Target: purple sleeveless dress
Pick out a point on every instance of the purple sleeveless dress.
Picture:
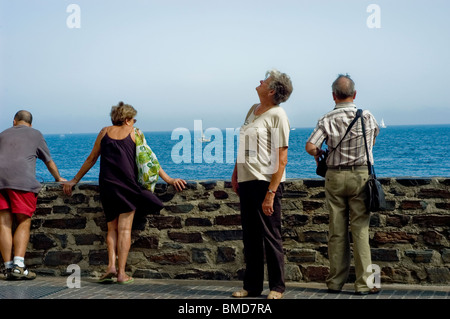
(119, 189)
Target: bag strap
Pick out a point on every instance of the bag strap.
(369, 164)
(348, 130)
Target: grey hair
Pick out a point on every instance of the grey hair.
(281, 83)
(343, 87)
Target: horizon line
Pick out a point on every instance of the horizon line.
(292, 128)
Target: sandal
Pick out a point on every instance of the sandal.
(240, 293)
(125, 282)
(107, 278)
(274, 295)
(19, 273)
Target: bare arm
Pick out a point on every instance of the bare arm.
(87, 165)
(313, 150)
(178, 183)
(267, 205)
(53, 169)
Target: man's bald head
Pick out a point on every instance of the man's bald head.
(23, 116)
(343, 87)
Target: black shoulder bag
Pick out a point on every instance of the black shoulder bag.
(322, 167)
(376, 200)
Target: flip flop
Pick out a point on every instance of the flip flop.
(126, 282)
(107, 278)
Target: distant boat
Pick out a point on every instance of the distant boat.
(204, 139)
(382, 123)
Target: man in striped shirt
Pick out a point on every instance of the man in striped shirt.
(345, 183)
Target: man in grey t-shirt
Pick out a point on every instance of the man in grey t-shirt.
(20, 146)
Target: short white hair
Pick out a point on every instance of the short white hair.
(281, 83)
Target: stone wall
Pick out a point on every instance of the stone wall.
(198, 233)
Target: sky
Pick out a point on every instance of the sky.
(177, 61)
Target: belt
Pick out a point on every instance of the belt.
(348, 168)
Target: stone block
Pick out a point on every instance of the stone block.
(201, 222)
(61, 209)
(42, 242)
(300, 255)
(295, 219)
(413, 204)
(411, 182)
(209, 185)
(438, 275)
(294, 194)
(385, 254)
(292, 273)
(98, 257)
(209, 207)
(314, 183)
(200, 255)
(420, 256)
(397, 220)
(88, 239)
(431, 220)
(225, 254)
(394, 237)
(62, 258)
(228, 220)
(224, 235)
(315, 236)
(76, 199)
(446, 255)
(316, 273)
(220, 194)
(433, 193)
(321, 219)
(445, 205)
(180, 208)
(164, 222)
(235, 206)
(66, 223)
(147, 242)
(186, 237)
(433, 238)
(171, 258)
(311, 205)
(43, 211)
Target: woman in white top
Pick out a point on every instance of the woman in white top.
(258, 178)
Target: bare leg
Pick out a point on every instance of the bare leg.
(22, 235)
(111, 242)
(6, 238)
(125, 223)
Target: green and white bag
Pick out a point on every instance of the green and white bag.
(147, 163)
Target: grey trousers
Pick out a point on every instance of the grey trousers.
(345, 198)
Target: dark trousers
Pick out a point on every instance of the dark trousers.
(261, 234)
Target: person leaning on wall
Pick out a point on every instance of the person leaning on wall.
(120, 193)
(20, 147)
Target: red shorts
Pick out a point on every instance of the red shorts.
(18, 202)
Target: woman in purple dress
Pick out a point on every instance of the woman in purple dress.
(120, 193)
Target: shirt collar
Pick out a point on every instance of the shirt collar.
(345, 104)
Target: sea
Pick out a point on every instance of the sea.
(400, 151)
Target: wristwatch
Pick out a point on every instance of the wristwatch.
(271, 191)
